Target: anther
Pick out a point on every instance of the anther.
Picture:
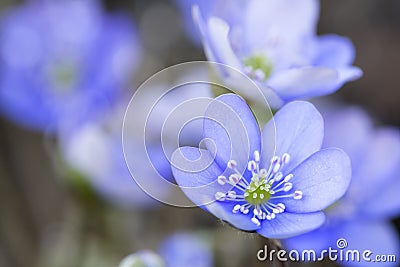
(220, 196)
(232, 164)
(257, 156)
(221, 180)
(287, 187)
(285, 158)
(298, 195)
(255, 221)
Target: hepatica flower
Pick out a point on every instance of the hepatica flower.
(362, 215)
(275, 182)
(275, 43)
(186, 249)
(62, 60)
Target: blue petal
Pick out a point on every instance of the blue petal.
(230, 125)
(214, 33)
(304, 82)
(323, 178)
(348, 129)
(186, 249)
(291, 224)
(196, 173)
(316, 240)
(265, 16)
(333, 51)
(379, 237)
(296, 129)
(380, 160)
(377, 174)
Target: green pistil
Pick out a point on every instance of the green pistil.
(258, 192)
(64, 76)
(259, 62)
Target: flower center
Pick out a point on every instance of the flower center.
(63, 75)
(258, 67)
(257, 192)
(262, 193)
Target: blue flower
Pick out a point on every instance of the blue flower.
(63, 60)
(275, 183)
(274, 42)
(186, 249)
(362, 215)
(109, 172)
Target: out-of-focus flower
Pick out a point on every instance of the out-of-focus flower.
(361, 216)
(95, 149)
(143, 258)
(275, 188)
(62, 60)
(186, 249)
(274, 42)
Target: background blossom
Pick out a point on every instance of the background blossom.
(282, 54)
(362, 215)
(63, 60)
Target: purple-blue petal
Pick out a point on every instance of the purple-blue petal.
(296, 129)
(304, 82)
(333, 51)
(265, 16)
(317, 240)
(287, 224)
(348, 129)
(323, 178)
(232, 131)
(380, 238)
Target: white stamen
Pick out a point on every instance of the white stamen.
(259, 74)
(248, 70)
(257, 156)
(287, 187)
(232, 164)
(234, 179)
(276, 167)
(298, 195)
(221, 180)
(285, 158)
(278, 177)
(255, 212)
(255, 221)
(281, 207)
(288, 177)
(236, 208)
(252, 166)
(232, 194)
(220, 196)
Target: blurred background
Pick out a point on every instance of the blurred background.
(52, 216)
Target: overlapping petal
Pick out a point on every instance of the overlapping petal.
(290, 224)
(296, 129)
(232, 131)
(323, 178)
